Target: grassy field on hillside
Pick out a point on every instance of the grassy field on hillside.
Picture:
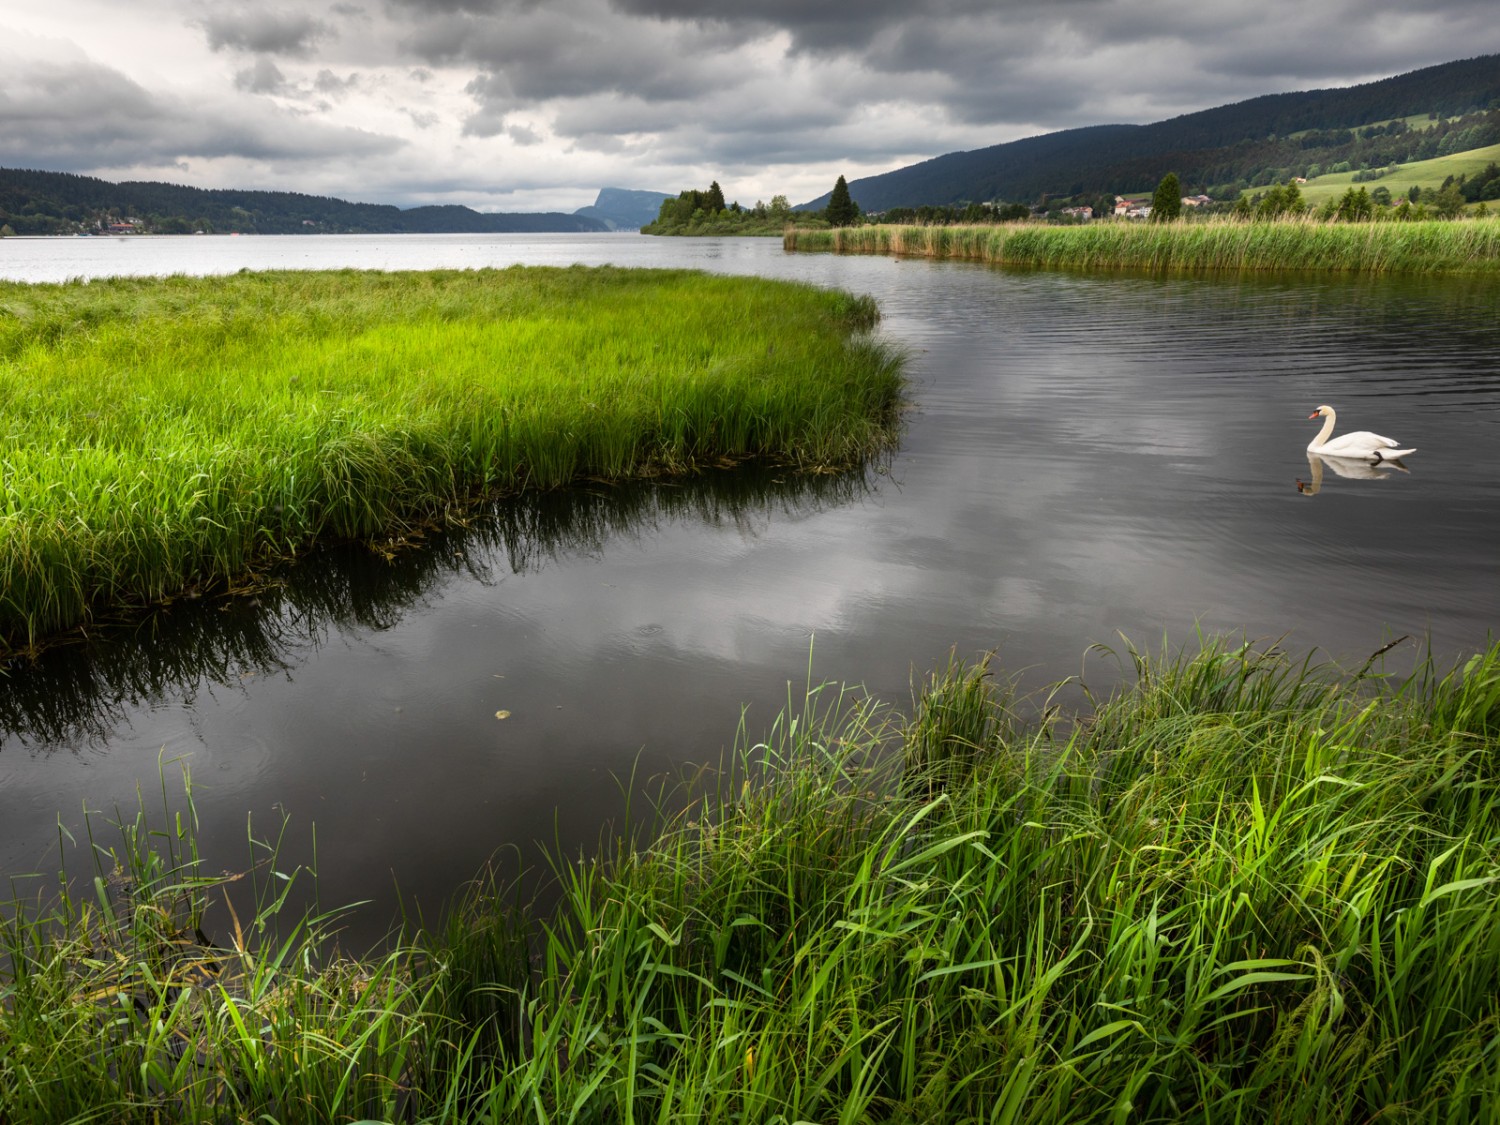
(1243, 889)
(163, 435)
(1420, 173)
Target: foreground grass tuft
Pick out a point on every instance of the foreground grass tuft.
(163, 435)
(1241, 889)
(1224, 244)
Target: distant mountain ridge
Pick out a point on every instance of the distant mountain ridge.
(36, 202)
(1212, 146)
(625, 209)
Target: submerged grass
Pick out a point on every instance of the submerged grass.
(1239, 890)
(162, 434)
(1470, 246)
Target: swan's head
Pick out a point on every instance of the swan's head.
(1320, 412)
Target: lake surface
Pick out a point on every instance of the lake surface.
(1088, 456)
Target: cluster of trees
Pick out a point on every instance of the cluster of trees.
(968, 214)
(1484, 185)
(1355, 205)
(705, 212)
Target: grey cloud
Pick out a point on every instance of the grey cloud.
(82, 115)
(264, 77)
(524, 135)
(327, 82)
(439, 41)
(265, 32)
(495, 98)
(605, 143)
(576, 49)
(823, 27)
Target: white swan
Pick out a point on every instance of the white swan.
(1360, 443)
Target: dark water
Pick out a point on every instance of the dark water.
(1088, 456)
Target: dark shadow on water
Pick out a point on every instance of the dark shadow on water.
(78, 693)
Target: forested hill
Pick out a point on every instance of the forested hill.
(1264, 139)
(62, 203)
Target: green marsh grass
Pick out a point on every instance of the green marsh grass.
(1239, 889)
(164, 435)
(1430, 247)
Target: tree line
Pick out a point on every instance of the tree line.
(38, 202)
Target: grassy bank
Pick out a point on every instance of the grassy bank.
(1239, 890)
(1291, 244)
(165, 435)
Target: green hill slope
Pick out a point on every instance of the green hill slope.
(1415, 116)
(1421, 173)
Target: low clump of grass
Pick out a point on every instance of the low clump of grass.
(115, 1005)
(1239, 889)
(158, 435)
(1471, 246)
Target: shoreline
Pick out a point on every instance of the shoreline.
(1467, 246)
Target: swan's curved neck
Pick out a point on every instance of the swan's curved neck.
(1327, 428)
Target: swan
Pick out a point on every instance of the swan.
(1360, 443)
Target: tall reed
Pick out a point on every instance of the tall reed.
(1471, 246)
(162, 434)
(1239, 889)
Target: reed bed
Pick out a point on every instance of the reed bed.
(1429, 247)
(164, 435)
(1240, 889)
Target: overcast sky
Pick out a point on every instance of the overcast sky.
(531, 105)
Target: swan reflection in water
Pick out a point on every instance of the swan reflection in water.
(1348, 468)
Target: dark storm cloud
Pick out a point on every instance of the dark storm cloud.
(80, 115)
(967, 64)
(264, 32)
(818, 25)
(554, 53)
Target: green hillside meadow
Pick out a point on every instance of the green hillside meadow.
(1420, 173)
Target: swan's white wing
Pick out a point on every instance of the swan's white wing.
(1360, 443)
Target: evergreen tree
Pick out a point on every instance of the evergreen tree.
(1166, 204)
(841, 209)
(713, 199)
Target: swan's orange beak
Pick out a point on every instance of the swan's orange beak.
(1313, 415)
